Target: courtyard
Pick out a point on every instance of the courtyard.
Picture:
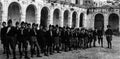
(90, 53)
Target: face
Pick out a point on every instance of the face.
(41, 27)
(17, 25)
(10, 24)
(33, 26)
(108, 27)
(29, 26)
(22, 25)
(4, 24)
(36, 26)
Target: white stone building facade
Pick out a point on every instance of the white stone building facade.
(45, 13)
(41, 12)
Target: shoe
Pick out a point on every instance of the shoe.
(14, 58)
(51, 53)
(7, 58)
(27, 57)
(20, 57)
(4, 52)
(32, 56)
(46, 54)
(39, 56)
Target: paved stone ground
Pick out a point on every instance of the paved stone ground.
(91, 53)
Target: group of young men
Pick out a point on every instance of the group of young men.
(48, 40)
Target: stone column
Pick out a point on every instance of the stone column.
(85, 20)
(70, 19)
(50, 17)
(77, 21)
(4, 11)
(4, 14)
(106, 20)
(119, 23)
(92, 20)
(61, 18)
(23, 14)
(38, 17)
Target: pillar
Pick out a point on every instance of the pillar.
(61, 18)
(50, 17)
(38, 17)
(119, 23)
(106, 19)
(85, 19)
(23, 14)
(4, 14)
(77, 21)
(70, 19)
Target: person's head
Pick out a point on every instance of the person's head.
(3, 24)
(41, 27)
(29, 25)
(108, 26)
(100, 28)
(36, 26)
(17, 24)
(22, 24)
(33, 25)
(50, 27)
(9, 22)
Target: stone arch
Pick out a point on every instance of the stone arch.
(99, 21)
(56, 17)
(114, 21)
(66, 17)
(44, 16)
(14, 12)
(81, 20)
(31, 13)
(74, 19)
(1, 11)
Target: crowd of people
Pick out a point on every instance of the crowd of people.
(45, 41)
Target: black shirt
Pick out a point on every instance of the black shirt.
(11, 32)
(109, 32)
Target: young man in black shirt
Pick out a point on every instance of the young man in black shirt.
(100, 36)
(3, 36)
(109, 34)
(10, 33)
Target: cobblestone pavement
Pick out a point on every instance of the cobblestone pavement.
(91, 53)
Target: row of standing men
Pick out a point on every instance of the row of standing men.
(47, 41)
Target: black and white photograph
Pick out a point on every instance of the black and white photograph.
(59, 29)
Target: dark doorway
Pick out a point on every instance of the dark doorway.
(14, 12)
(99, 21)
(114, 22)
(44, 17)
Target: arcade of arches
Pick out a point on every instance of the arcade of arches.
(113, 21)
(57, 16)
